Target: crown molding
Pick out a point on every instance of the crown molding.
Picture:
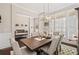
(26, 9)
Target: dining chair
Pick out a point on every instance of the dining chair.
(59, 43)
(20, 51)
(54, 46)
(35, 34)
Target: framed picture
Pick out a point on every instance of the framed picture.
(0, 19)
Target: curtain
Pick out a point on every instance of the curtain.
(71, 26)
(67, 25)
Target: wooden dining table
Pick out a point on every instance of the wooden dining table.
(34, 44)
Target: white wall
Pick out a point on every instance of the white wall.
(22, 16)
(5, 25)
(5, 40)
(22, 19)
(31, 26)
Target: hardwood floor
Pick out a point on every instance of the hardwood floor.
(5, 51)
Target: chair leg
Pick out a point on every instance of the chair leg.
(41, 52)
(55, 53)
(58, 50)
(38, 51)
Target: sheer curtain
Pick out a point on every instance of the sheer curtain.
(67, 25)
(71, 26)
(60, 25)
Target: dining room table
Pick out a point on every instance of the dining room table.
(33, 43)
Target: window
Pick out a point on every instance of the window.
(67, 25)
(71, 26)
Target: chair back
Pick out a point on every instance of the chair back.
(16, 48)
(54, 44)
(35, 34)
(59, 43)
(56, 33)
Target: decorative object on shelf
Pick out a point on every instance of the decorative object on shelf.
(0, 18)
(16, 24)
(21, 24)
(46, 23)
(25, 25)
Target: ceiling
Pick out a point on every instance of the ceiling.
(46, 7)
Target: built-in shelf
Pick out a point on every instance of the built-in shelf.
(21, 33)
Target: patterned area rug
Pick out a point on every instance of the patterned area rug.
(68, 50)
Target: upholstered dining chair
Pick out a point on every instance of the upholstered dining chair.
(54, 46)
(35, 34)
(59, 43)
(20, 51)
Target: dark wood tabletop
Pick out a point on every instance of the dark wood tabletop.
(34, 44)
